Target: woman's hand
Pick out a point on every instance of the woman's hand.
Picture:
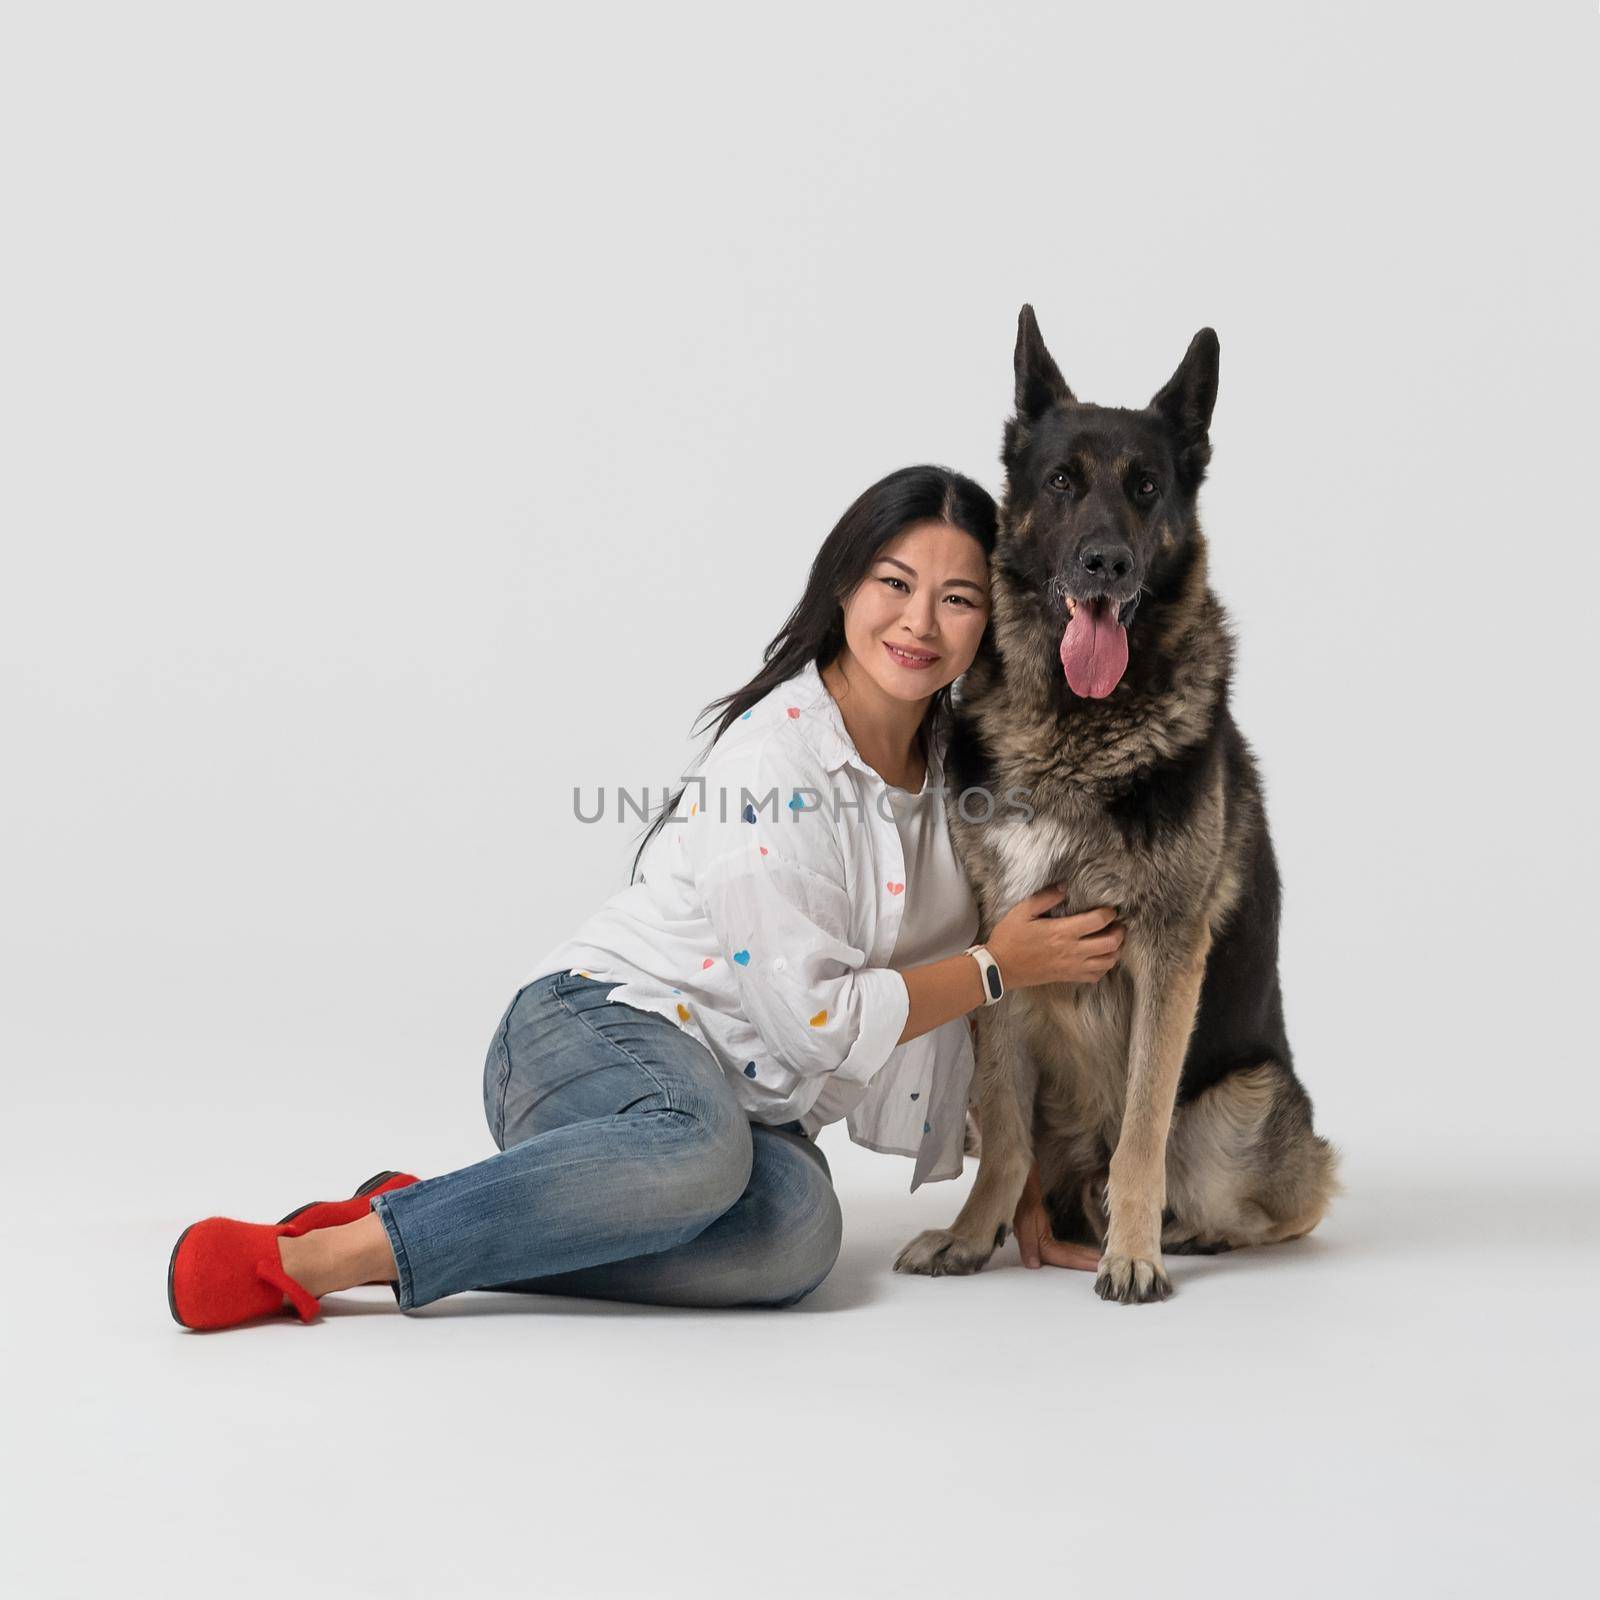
(1032, 1228)
(1032, 948)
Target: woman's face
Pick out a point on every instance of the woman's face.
(915, 621)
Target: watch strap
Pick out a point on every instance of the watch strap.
(994, 986)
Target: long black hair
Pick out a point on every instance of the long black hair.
(814, 631)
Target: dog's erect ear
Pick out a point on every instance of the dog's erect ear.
(1190, 393)
(1186, 401)
(1039, 380)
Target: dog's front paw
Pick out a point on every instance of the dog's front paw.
(938, 1253)
(1132, 1280)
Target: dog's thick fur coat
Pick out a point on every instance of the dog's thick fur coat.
(1160, 1102)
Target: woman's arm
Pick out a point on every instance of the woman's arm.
(1028, 947)
(940, 992)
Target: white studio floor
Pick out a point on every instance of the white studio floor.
(1402, 1404)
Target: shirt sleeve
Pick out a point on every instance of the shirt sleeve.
(770, 868)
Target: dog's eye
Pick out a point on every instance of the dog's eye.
(1147, 488)
(1061, 480)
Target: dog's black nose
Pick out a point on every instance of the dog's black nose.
(1106, 559)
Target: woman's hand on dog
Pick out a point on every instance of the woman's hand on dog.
(1032, 948)
(1032, 1228)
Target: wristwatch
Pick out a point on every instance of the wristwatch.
(994, 987)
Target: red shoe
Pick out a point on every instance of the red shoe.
(334, 1213)
(223, 1272)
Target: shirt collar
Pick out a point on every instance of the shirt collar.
(823, 725)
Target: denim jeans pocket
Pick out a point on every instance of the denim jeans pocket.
(575, 992)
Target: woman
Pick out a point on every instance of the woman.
(795, 952)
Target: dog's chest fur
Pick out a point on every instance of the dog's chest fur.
(1160, 877)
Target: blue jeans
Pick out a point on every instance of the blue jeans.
(627, 1170)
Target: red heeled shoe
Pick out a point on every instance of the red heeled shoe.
(335, 1213)
(224, 1272)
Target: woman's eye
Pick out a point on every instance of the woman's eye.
(900, 581)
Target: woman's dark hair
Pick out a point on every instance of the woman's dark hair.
(814, 631)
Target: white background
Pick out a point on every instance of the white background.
(411, 413)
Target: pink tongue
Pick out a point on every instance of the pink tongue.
(1094, 649)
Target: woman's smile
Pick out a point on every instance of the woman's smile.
(910, 657)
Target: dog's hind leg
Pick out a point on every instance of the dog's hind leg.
(1007, 1082)
(1244, 1166)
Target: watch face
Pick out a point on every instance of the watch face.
(991, 978)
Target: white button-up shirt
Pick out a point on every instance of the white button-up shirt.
(765, 920)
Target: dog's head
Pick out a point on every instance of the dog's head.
(1100, 501)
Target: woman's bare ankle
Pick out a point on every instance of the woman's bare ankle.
(327, 1259)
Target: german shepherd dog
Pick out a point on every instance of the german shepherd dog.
(1160, 1102)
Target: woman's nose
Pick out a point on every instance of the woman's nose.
(920, 614)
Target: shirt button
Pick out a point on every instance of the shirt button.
(779, 964)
